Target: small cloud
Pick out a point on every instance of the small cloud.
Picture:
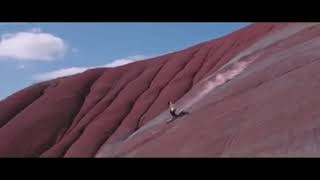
(21, 66)
(36, 30)
(15, 23)
(119, 62)
(74, 50)
(76, 70)
(123, 61)
(34, 45)
(59, 73)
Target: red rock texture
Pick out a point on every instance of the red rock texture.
(250, 93)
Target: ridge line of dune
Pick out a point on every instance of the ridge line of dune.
(168, 83)
(15, 113)
(76, 131)
(125, 119)
(97, 118)
(87, 92)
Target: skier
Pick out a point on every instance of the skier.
(172, 110)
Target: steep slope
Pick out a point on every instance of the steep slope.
(250, 93)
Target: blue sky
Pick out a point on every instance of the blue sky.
(32, 52)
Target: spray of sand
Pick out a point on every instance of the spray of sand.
(218, 80)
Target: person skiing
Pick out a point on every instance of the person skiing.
(172, 111)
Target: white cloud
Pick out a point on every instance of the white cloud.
(59, 73)
(36, 30)
(76, 70)
(31, 46)
(15, 23)
(21, 66)
(123, 61)
(74, 50)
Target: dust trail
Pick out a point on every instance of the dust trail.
(219, 80)
(239, 65)
(274, 37)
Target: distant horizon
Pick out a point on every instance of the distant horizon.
(35, 52)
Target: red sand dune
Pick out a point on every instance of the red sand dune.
(253, 92)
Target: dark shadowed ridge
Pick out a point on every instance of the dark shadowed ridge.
(250, 93)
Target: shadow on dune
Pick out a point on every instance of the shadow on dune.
(181, 114)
